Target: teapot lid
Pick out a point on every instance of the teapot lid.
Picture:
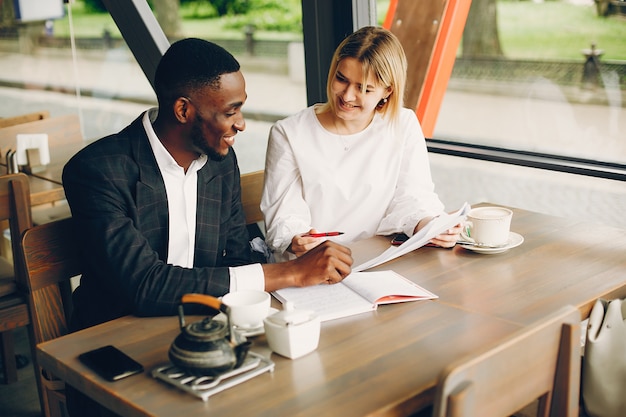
(290, 316)
(207, 330)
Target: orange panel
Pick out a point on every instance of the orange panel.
(441, 60)
(391, 11)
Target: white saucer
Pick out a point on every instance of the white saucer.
(515, 240)
(248, 331)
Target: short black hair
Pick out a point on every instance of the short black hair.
(190, 64)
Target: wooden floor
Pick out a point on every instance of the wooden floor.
(20, 399)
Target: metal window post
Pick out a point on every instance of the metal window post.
(325, 23)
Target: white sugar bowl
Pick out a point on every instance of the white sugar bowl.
(292, 333)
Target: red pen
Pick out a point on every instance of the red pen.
(324, 234)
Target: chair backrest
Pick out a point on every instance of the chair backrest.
(14, 209)
(50, 259)
(251, 191)
(24, 118)
(541, 361)
(14, 212)
(61, 130)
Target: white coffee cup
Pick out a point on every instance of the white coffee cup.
(489, 226)
(248, 308)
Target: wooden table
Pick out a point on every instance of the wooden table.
(46, 184)
(562, 261)
(42, 190)
(385, 362)
(59, 155)
(366, 364)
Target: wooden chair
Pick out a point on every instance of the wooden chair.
(251, 191)
(14, 210)
(62, 131)
(541, 361)
(50, 258)
(24, 118)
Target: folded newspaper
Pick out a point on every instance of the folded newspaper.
(435, 227)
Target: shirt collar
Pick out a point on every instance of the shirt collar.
(163, 158)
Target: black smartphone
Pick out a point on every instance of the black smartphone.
(111, 363)
(399, 239)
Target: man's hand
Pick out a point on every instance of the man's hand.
(329, 263)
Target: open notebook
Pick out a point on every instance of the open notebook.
(358, 293)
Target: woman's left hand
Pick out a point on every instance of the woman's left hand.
(301, 244)
(449, 238)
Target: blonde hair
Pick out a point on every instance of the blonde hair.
(380, 53)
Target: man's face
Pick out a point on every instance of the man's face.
(218, 116)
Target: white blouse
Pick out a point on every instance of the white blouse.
(375, 182)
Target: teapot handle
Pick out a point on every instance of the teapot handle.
(203, 299)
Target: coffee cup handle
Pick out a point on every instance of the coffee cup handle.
(466, 233)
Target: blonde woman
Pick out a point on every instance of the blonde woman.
(357, 164)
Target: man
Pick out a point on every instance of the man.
(157, 206)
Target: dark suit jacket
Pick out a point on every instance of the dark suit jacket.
(119, 206)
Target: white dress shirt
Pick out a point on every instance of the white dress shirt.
(182, 192)
(375, 182)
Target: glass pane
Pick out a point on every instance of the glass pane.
(98, 79)
(540, 76)
(543, 76)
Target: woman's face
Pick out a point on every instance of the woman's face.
(351, 103)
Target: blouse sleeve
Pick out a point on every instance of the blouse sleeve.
(415, 197)
(285, 211)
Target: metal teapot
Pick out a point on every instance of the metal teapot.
(208, 347)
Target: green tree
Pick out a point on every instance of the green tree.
(95, 6)
(168, 16)
(225, 7)
(7, 14)
(480, 37)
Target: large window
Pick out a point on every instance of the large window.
(94, 75)
(546, 77)
(525, 79)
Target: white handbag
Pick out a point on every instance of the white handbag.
(604, 360)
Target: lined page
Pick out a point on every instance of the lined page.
(328, 301)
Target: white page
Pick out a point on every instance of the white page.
(357, 293)
(376, 285)
(328, 301)
(437, 226)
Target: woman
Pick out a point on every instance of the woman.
(358, 163)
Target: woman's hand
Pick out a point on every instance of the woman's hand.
(301, 244)
(449, 238)
(445, 240)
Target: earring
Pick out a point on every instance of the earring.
(382, 102)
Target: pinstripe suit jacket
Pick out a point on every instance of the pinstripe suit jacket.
(119, 206)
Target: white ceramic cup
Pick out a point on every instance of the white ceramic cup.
(248, 308)
(488, 226)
